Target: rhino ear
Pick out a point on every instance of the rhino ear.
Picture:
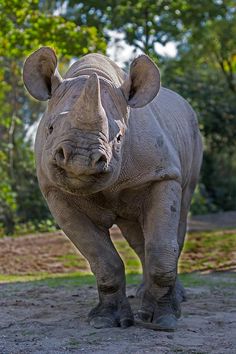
(143, 82)
(40, 73)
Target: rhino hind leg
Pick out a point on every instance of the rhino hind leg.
(161, 314)
(133, 233)
(180, 292)
(140, 291)
(167, 310)
(160, 305)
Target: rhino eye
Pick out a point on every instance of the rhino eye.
(50, 129)
(118, 138)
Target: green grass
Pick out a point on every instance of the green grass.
(79, 279)
(72, 260)
(129, 257)
(211, 280)
(70, 279)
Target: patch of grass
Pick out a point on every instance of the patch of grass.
(129, 257)
(73, 260)
(79, 279)
(76, 279)
(62, 279)
(208, 251)
(10, 278)
(52, 280)
(209, 280)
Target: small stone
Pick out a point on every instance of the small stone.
(169, 336)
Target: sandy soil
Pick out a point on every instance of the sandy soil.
(42, 320)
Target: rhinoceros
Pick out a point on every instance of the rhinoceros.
(117, 148)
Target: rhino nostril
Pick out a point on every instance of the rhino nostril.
(63, 154)
(99, 159)
(102, 159)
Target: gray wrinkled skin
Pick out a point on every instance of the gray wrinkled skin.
(117, 149)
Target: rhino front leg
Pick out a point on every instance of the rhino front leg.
(160, 225)
(95, 244)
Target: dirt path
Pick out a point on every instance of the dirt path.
(214, 221)
(39, 319)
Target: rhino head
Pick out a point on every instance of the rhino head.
(80, 139)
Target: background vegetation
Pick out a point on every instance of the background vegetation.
(203, 71)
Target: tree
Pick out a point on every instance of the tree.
(209, 30)
(204, 72)
(143, 23)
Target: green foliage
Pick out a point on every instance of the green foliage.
(7, 196)
(24, 27)
(31, 227)
(201, 204)
(143, 23)
(204, 72)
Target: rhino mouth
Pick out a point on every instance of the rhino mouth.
(81, 183)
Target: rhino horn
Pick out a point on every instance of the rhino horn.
(89, 107)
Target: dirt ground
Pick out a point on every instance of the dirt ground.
(42, 320)
(37, 253)
(39, 318)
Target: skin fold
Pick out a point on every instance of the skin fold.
(120, 149)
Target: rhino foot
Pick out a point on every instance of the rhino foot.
(140, 291)
(160, 315)
(167, 322)
(180, 292)
(115, 315)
